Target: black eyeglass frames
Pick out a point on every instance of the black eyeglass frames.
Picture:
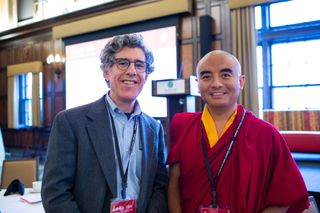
(124, 63)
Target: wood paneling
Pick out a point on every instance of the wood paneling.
(216, 45)
(4, 111)
(59, 103)
(187, 60)
(37, 52)
(47, 48)
(199, 12)
(215, 14)
(48, 80)
(59, 80)
(27, 54)
(48, 107)
(3, 84)
(186, 27)
(11, 57)
(3, 58)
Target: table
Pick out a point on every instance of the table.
(12, 203)
(311, 174)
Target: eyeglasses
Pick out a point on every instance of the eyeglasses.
(124, 63)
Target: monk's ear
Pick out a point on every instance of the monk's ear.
(242, 79)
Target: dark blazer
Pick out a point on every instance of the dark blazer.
(80, 171)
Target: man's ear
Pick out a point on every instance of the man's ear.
(242, 79)
(106, 73)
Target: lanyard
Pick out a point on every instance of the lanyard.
(123, 174)
(206, 158)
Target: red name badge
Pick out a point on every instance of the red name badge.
(123, 206)
(213, 210)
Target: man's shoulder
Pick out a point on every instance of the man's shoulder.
(83, 109)
(261, 129)
(261, 124)
(149, 118)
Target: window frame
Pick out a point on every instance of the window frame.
(13, 71)
(25, 101)
(268, 36)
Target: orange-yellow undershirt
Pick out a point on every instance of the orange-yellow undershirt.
(210, 126)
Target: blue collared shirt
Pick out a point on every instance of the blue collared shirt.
(124, 129)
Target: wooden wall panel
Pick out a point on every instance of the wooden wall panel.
(198, 53)
(187, 58)
(37, 52)
(216, 45)
(8, 137)
(3, 58)
(18, 55)
(215, 14)
(59, 81)
(48, 108)
(47, 48)
(3, 84)
(48, 80)
(27, 54)
(52, 106)
(4, 111)
(25, 138)
(186, 28)
(11, 58)
(59, 104)
(199, 12)
(44, 139)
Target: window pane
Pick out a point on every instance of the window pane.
(29, 85)
(259, 66)
(28, 113)
(260, 99)
(295, 63)
(41, 95)
(300, 10)
(296, 98)
(258, 22)
(25, 97)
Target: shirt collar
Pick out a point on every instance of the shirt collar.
(115, 109)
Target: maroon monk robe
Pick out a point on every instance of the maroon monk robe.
(259, 172)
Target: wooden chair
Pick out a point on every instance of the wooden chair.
(26, 170)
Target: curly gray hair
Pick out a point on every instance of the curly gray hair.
(117, 43)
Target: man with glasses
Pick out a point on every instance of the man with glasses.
(108, 156)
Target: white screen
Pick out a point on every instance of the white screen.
(85, 82)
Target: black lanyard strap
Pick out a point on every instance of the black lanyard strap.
(211, 179)
(231, 144)
(123, 174)
(206, 158)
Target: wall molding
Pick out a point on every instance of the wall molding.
(130, 15)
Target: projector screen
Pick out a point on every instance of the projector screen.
(85, 82)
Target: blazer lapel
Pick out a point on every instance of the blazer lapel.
(147, 146)
(100, 135)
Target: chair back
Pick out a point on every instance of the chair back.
(26, 170)
(313, 208)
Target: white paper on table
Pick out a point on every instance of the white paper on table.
(31, 198)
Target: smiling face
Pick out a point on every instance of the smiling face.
(220, 81)
(125, 86)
